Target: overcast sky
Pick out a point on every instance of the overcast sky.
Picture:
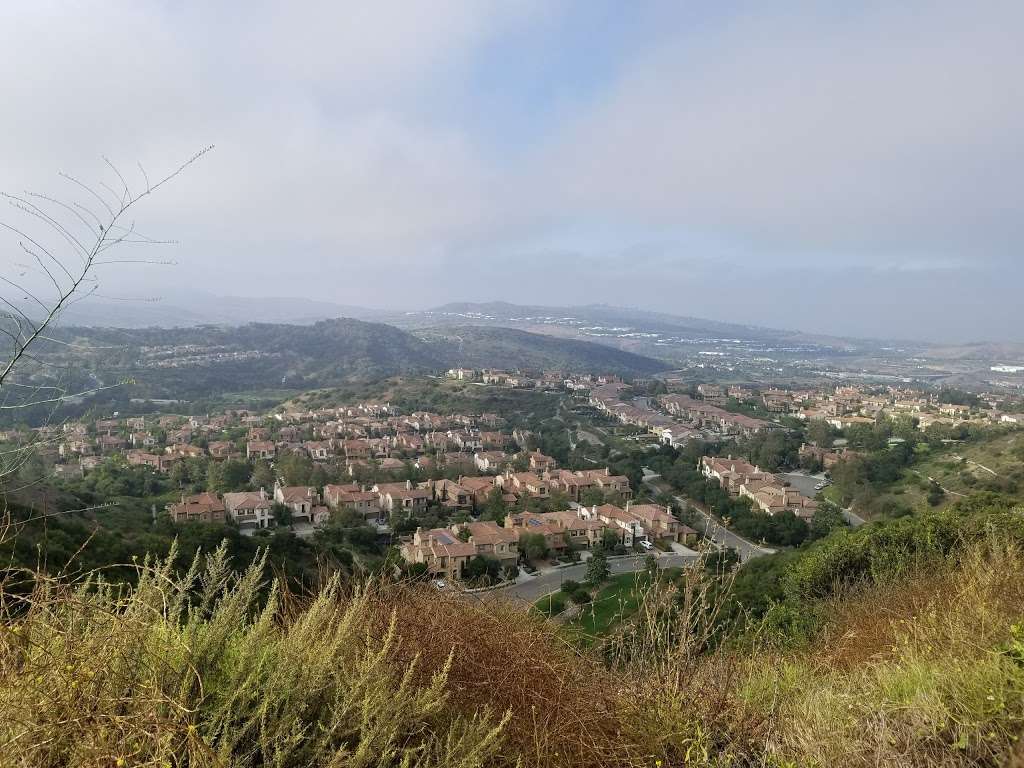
(852, 168)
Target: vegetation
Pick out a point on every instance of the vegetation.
(898, 643)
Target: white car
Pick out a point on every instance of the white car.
(440, 584)
(646, 544)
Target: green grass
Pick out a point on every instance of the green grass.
(615, 601)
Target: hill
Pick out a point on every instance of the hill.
(894, 645)
(497, 347)
(202, 361)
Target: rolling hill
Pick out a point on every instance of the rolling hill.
(203, 361)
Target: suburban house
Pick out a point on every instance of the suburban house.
(520, 483)
(200, 508)
(250, 509)
(161, 463)
(260, 449)
(402, 497)
(490, 461)
(452, 495)
(491, 540)
(658, 522)
(581, 532)
(352, 496)
(541, 463)
(731, 473)
(440, 550)
(627, 527)
(302, 500)
(555, 537)
(771, 497)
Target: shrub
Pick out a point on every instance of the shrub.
(580, 596)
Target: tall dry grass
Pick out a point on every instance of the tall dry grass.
(925, 672)
(198, 670)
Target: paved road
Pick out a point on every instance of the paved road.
(544, 583)
(711, 528)
(722, 536)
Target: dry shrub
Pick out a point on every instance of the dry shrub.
(564, 705)
(928, 673)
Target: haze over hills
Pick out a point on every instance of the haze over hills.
(200, 361)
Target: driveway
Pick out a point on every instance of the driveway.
(803, 482)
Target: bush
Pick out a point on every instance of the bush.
(580, 596)
(569, 586)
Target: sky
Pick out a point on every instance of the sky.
(846, 168)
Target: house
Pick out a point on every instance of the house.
(712, 393)
(355, 498)
(555, 536)
(777, 400)
(479, 487)
(658, 522)
(491, 439)
(492, 540)
(200, 508)
(521, 483)
(402, 497)
(152, 460)
(541, 463)
(491, 461)
(185, 451)
(300, 499)
(628, 528)
(356, 450)
(842, 422)
(440, 550)
(772, 497)
(452, 495)
(731, 473)
(318, 450)
(581, 532)
(576, 483)
(222, 449)
(250, 509)
(260, 449)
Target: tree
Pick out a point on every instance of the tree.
(63, 242)
(533, 546)
(494, 508)
(820, 433)
(282, 513)
(609, 540)
(597, 568)
(262, 477)
(482, 569)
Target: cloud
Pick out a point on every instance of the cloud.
(892, 130)
(364, 153)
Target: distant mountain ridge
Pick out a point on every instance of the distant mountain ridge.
(203, 360)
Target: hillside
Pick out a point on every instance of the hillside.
(497, 347)
(897, 645)
(201, 361)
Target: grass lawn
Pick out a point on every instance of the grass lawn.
(615, 601)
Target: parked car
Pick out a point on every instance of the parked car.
(440, 584)
(646, 544)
